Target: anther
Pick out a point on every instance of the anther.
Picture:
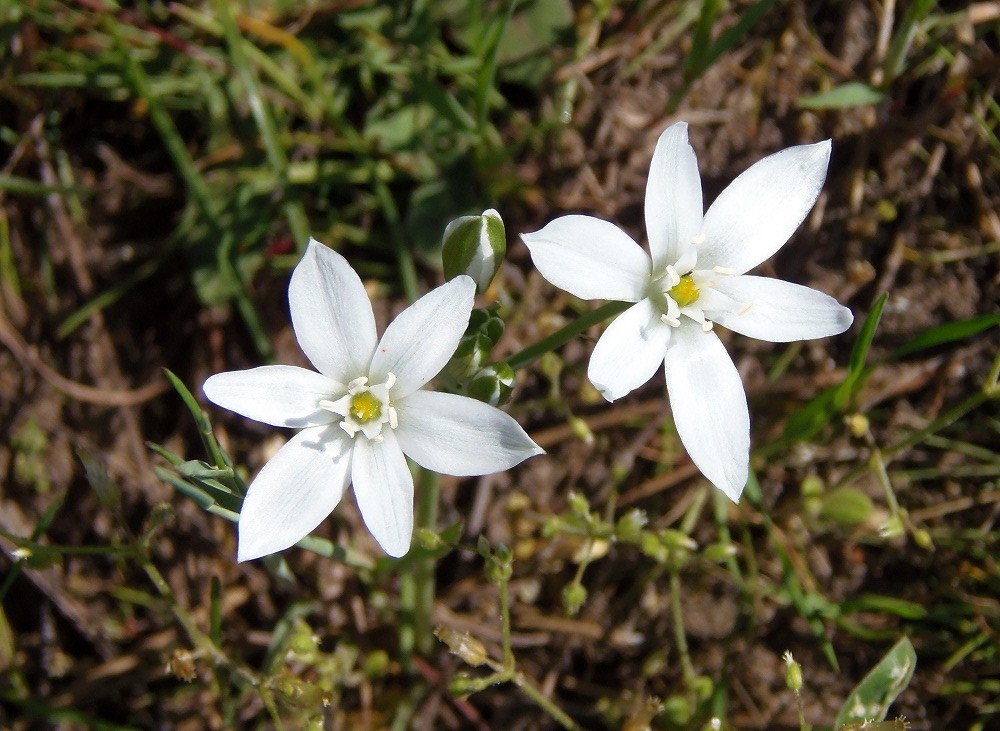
(724, 270)
(672, 321)
(699, 239)
(672, 276)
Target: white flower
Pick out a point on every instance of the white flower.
(696, 278)
(363, 411)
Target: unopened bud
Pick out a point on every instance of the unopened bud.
(429, 539)
(474, 245)
(492, 384)
(793, 672)
(462, 644)
(181, 665)
(630, 525)
(573, 597)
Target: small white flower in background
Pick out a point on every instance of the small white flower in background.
(695, 278)
(362, 412)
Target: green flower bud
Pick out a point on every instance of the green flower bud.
(474, 245)
(629, 526)
(429, 539)
(492, 384)
(719, 552)
(793, 672)
(573, 597)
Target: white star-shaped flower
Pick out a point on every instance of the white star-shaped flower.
(363, 410)
(695, 278)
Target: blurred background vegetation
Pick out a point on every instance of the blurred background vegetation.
(163, 164)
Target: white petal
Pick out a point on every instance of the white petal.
(780, 312)
(383, 487)
(457, 435)
(295, 492)
(331, 314)
(630, 351)
(419, 342)
(590, 258)
(278, 395)
(709, 407)
(673, 197)
(760, 210)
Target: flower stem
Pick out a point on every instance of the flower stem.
(677, 619)
(567, 333)
(427, 513)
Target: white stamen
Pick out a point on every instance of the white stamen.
(390, 380)
(699, 239)
(672, 276)
(393, 418)
(672, 321)
(357, 385)
(327, 404)
(706, 325)
(724, 270)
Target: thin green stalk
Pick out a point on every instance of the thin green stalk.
(989, 390)
(677, 619)
(878, 466)
(564, 335)
(294, 212)
(506, 670)
(508, 650)
(554, 711)
(201, 641)
(426, 589)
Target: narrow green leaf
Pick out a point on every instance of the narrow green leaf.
(219, 457)
(851, 94)
(27, 186)
(698, 58)
(856, 363)
(948, 333)
(886, 605)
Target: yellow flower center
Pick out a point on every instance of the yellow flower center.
(685, 292)
(365, 407)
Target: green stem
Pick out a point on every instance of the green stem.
(567, 333)
(201, 641)
(677, 618)
(558, 715)
(508, 650)
(407, 616)
(506, 670)
(427, 513)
